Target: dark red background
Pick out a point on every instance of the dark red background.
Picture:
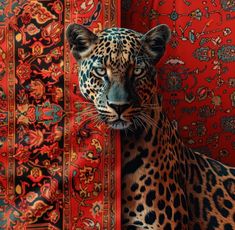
(196, 75)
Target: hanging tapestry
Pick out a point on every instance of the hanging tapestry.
(59, 168)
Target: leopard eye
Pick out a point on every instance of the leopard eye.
(100, 71)
(138, 71)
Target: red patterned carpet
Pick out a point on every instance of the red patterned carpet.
(57, 168)
(196, 75)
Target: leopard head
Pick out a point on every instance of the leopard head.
(117, 70)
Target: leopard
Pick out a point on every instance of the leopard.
(165, 184)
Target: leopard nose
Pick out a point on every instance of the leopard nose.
(119, 108)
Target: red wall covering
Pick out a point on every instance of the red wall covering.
(197, 74)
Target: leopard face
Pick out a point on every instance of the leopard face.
(117, 71)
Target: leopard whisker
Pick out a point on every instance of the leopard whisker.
(105, 112)
(89, 118)
(134, 122)
(85, 102)
(83, 115)
(141, 121)
(146, 121)
(137, 122)
(87, 109)
(89, 113)
(147, 118)
(98, 121)
(151, 106)
(150, 120)
(135, 109)
(130, 129)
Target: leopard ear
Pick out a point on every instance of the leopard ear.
(81, 40)
(154, 41)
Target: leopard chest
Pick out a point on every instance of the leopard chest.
(152, 188)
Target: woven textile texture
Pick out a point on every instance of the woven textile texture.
(196, 76)
(58, 169)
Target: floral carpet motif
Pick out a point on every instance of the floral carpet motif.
(196, 75)
(59, 169)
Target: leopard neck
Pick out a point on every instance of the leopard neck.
(154, 136)
(156, 145)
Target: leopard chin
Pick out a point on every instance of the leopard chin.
(120, 124)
